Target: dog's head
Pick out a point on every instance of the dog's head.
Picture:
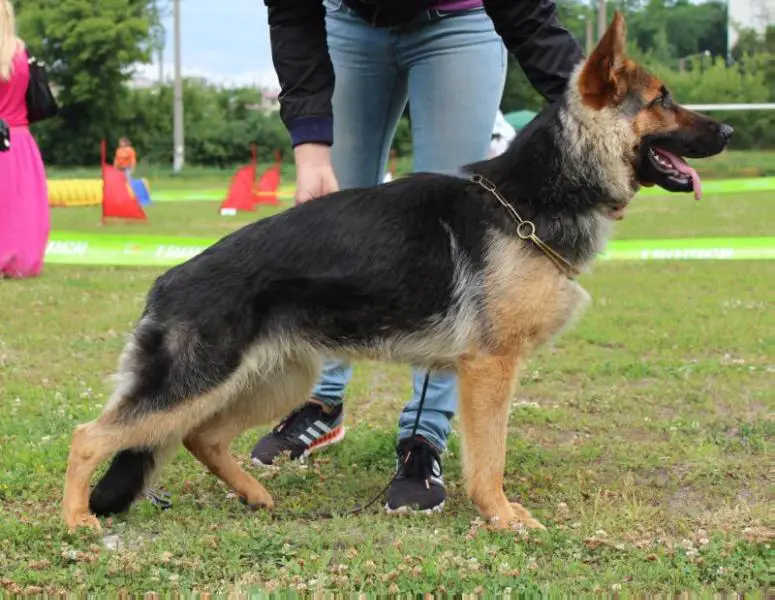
(663, 133)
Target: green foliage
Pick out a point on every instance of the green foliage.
(220, 125)
(90, 48)
(687, 28)
(660, 33)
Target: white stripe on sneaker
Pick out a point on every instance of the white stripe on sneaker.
(305, 439)
(322, 426)
(314, 432)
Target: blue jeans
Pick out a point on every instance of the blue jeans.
(451, 67)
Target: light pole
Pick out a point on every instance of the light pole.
(161, 41)
(177, 125)
(590, 35)
(602, 19)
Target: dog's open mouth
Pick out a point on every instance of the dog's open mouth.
(676, 170)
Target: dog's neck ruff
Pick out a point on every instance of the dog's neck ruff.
(526, 230)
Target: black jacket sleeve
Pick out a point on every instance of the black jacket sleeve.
(297, 31)
(546, 51)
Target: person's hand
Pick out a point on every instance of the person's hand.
(314, 172)
(5, 137)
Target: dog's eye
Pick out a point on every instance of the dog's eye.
(664, 100)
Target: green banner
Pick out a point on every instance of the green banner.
(746, 248)
(219, 195)
(723, 186)
(73, 248)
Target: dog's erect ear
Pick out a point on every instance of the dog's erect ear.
(599, 80)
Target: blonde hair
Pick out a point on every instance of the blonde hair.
(9, 43)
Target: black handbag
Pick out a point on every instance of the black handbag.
(5, 137)
(41, 104)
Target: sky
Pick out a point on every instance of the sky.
(229, 45)
(226, 42)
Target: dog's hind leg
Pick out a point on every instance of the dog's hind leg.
(210, 444)
(276, 395)
(147, 434)
(92, 444)
(486, 385)
(138, 442)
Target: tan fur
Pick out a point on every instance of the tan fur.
(527, 298)
(210, 441)
(527, 302)
(214, 453)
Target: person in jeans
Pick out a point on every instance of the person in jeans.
(448, 60)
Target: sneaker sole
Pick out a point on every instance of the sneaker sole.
(335, 436)
(406, 510)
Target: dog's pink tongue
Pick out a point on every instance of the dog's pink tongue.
(683, 167)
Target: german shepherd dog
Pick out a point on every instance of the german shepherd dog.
(431, 270)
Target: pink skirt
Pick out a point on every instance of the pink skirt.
(24, 211)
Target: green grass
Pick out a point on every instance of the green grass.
(643, 439)
(729, 165)
(193, 178)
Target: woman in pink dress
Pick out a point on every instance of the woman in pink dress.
(24, 211)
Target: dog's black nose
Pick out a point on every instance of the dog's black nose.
(726, 131)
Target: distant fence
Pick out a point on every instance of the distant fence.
(712, 107)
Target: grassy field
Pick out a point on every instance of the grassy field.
(643, 439)
(730, 164)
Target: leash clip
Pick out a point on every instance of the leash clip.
(485, 183)
(526, 230)
(531, 230)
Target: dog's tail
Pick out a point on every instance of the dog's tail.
(129, 474)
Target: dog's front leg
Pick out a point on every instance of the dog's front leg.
(486, 385)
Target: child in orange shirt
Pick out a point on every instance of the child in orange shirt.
(126, 159)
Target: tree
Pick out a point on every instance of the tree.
(90, 48)
(681, 26)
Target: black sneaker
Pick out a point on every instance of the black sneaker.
(419, 485)
(305, 430)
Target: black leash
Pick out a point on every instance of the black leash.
(359, 509)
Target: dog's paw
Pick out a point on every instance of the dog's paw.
(255, 506)
(257, 499)
(518, 520)
(85, 520)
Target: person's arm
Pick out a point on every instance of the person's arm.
(297, 32)
(132, 158)
(546, 51)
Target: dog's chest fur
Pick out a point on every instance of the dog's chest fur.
(527, 300)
